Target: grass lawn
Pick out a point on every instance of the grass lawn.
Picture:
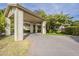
(55, 34)
(9, 47)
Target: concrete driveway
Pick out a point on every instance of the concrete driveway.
(48, 45)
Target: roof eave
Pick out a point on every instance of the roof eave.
(22, 8)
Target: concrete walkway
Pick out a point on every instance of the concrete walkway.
(48, 45)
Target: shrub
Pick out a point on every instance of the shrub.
(72, 30)
(50, 31)
(68, 30)
(76, 30)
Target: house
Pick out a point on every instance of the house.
(23, 16)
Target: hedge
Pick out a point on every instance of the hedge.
(72, 30)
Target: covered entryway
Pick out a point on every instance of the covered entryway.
(24, 19)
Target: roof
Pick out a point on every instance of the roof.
(22, 8)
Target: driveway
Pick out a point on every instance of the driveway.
(48, 45)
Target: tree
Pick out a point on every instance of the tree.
(63, 18)
(45, 17)
(41, 13)
(2, 21)
(55, 20)
(75, 23)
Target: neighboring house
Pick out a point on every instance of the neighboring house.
(62, 27)
(23, 19)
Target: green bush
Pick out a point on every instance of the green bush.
(69, 30)
(72, 30)
(76, 30)
(50, 31)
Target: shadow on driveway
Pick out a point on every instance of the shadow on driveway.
(75, 38)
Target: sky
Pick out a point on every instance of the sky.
(52, 8)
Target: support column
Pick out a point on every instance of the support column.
(7, 26)
(18, 25)
(36, 28)
(31, 28)
(44, 27)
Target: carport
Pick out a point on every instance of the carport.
(22, 16)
